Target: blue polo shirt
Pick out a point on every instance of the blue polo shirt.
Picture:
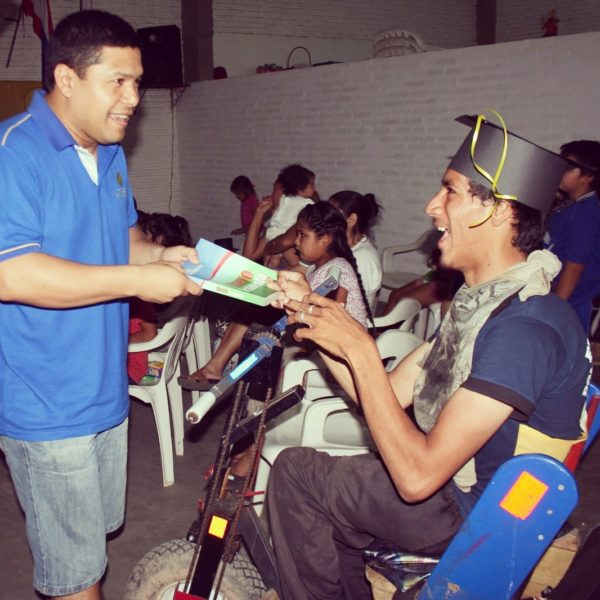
(575, 237)
(62, 372)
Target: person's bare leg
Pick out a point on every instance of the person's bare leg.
(91, 593)
(230, 344)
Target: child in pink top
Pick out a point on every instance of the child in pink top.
(242, 188)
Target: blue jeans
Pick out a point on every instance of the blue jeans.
(73, 493)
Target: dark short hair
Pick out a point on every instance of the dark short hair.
(587, 154)
(242, 184)
(294, 178)
(77, 41)
(172, 229)
(529, 223)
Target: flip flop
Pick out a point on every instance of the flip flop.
(196, 383)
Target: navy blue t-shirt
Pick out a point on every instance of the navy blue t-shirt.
(534, 356)
(575, 237)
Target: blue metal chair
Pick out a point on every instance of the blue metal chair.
(512, 524)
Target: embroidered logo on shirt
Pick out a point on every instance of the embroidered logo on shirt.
(121, 191)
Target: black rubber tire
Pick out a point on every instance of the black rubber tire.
(164, 566)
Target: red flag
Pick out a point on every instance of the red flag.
(39, 11)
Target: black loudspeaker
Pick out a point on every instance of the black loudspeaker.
(161, 56)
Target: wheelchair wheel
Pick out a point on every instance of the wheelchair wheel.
(164, 569)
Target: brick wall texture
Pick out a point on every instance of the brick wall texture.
(384, 126)
(448, 23)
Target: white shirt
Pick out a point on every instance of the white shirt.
(285, 215)
(369, 267)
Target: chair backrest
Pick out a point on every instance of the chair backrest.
(514, 521)
(170, 336)
(163, 337)
(405, 311)
(394, 345)
(387, 255)
(593, 426)
(176, 346)
(593, 415)
(194, 309)
(427, 321)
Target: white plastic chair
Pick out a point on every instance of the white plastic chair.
(196, 344)
(427, 321)
(166, 346)
(404, 312)
(392, 276)
(324, 419)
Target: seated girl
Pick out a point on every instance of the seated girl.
(321, 241)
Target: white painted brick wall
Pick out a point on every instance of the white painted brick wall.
(518, 20)
(383, 126)
(355, 124)
(447, 23)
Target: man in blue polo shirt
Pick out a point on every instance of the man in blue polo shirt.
(574, 229)
(70, 255)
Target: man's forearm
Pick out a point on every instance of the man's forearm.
(568, 279)
(339, 369)
(141, 250)
(46, 281)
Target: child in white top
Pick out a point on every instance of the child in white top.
(298, 187)
(361, 212)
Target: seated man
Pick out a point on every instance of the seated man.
(505, 375)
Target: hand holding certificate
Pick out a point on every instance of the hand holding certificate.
(230, 274)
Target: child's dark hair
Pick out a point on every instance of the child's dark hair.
(294, 178)
(242, 185)
(169, 229)
(323, 218)
(79, 38)
(587, 154)
(366, 208)
(143, 220)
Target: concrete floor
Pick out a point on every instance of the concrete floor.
(156, 514)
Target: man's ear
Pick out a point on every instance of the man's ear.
(589, 179)
(504, 212)
(64, 78)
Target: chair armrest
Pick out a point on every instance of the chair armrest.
(294, 372)
(388, 253)
(314, 422)
(406, 309)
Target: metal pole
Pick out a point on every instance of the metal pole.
(14, 38)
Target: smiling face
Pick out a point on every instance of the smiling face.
(453, 209)
(98, 105)
(310, 247)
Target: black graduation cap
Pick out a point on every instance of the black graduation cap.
(528, 173)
